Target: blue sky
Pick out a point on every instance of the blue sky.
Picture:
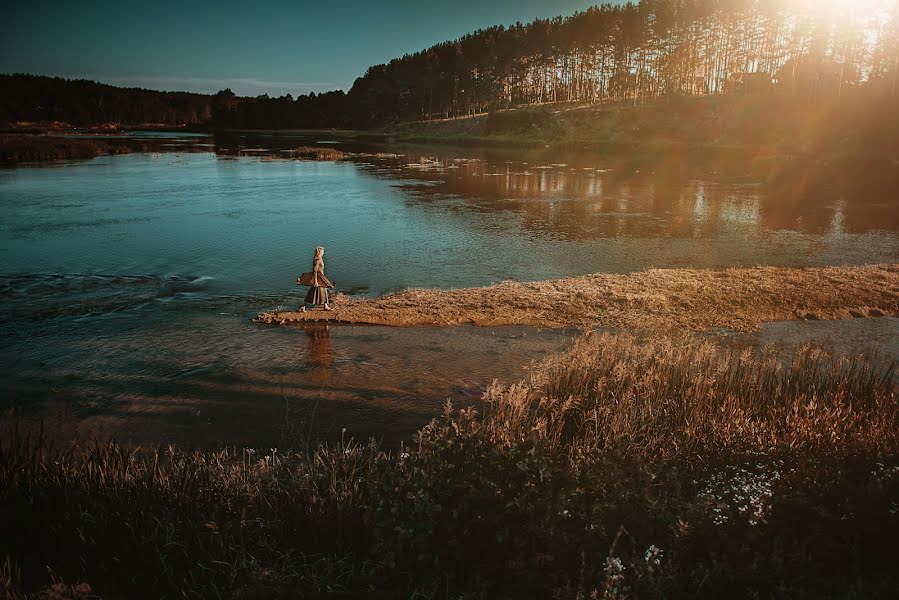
(274, 47)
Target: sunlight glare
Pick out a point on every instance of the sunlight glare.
(846, 7)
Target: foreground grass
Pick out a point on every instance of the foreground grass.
(626, 467)
(739, 298)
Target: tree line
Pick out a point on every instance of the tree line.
(653, 49)
(631, 52)
(82, 103)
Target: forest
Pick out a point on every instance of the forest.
(654, 49)
(81, 103)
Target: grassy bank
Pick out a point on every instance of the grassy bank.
(628, 467)
(769, 124)
(736, 298)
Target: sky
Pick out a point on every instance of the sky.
(266, 46)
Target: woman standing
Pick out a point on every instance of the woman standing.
(318, 293)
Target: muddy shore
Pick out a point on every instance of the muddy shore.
(738, 298)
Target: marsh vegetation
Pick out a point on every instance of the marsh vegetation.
(20, 148)
(627, 467)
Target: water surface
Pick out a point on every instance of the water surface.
(128, 282)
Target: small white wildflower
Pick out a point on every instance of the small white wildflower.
(614, 568)
(882, 474)
(739, 492)
(653, 555)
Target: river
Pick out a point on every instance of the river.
(128, 282)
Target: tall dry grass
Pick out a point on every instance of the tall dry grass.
(658, 396)
(165, 522)
(629, 467)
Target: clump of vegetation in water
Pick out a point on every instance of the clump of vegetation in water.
(317, 153)
(17, 148)
(626, 467)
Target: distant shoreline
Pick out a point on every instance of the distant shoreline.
(702, 128)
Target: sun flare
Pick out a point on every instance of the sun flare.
(837, 8)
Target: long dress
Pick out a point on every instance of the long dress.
(318, 293)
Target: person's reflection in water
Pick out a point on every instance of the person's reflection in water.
(319, 356)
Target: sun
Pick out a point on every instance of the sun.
(849, 7)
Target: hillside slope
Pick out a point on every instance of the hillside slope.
(768, 124)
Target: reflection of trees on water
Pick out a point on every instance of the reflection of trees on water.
(831, 211)
(583, 204)
(582, 196)
(577, 202)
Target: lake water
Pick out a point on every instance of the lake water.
(128, 282)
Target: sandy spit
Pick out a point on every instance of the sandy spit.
(735, 298)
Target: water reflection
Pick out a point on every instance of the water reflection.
(675, 199)
(319, 351)
(587, 195)
(207, 380)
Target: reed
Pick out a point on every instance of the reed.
(626, 467)
(680, 394)
(318, 153)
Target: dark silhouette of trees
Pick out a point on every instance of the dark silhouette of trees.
(84, 103)
(81, 103)
(305, 112)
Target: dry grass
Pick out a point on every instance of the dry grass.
(318, 153)
(627, 467)
(682, 395)
(739, 299)
(231, 523)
